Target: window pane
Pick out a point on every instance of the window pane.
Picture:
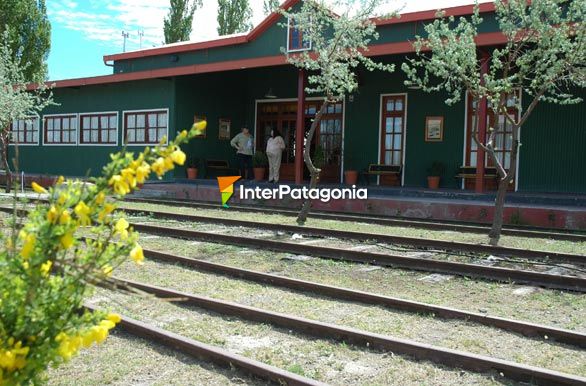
(104, 121)
(95, 137)
(162, 133)
(388, 125)
(86, 122)
(86, 136)
(21, 136)
(388, 141)
(153, 135)
(50, 136)
(390, 105)
(29, 136)
(397, 158)
(398, 125)
(399, 105)
(64, 123)
(397, 141)
(113, 122)
(473, 159)
(65, 136)
(50, 124)
(140, 136)
(388, 158)
(35, 136)
(113, 136)
(105, 136)
(131, 121)
(152, 120)
(140, 121)
(338, 108)
(499, 141)
(95, 120)
(507, 160)
(131, 135)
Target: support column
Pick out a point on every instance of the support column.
(300, 127)
(482, 114)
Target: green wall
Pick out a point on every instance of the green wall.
(361, 140)
(88, 160)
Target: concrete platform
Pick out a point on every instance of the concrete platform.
(543, 210)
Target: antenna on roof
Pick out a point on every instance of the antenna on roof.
(124, 36)
(140, 35)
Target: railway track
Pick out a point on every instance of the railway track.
(531, 232)
(379, 238)
(213, 354)
(362, 339)
(382, 259)
(345, 294)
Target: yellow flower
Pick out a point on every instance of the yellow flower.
(62, 198)
(137, 255)
(100, 198)
(60, 180)
(121, 228)
(128, 176)
(83, 211)
(46, 267)
(38, 188)
(65, 218)
(182, 135)
(142, 173)
(52, 214)
(107, 269)
(159, 166)
(178, 157)
(120, 185)
(114, 318)
(66, 240)
(199, 128)
(29, 244)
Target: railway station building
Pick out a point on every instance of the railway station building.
(245, 81)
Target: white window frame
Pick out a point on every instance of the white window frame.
(76, 115)
(81, 115)
(380, 128)
(124, 112)
(289, 39)
(32, 117)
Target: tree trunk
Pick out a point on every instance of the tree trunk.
(5, 164)
(313, 171)
(499, 205)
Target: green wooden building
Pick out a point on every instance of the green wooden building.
(244, 80)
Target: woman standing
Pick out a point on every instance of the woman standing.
(243, 143)
(275, 147)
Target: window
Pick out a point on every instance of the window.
(25, 131)
(98, 128)
(393, 129)
(60, 129)
(295, 40)
(145, 127)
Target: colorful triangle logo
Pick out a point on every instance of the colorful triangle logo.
(226, 185)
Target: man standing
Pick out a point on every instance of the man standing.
(243, 143)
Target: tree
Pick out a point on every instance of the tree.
(15, 101)
(178, 22)
(270, 6)
(337, 45)
(28, 29)
(47, 267)
(233, 16)
(544, 57)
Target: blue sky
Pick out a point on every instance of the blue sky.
(83, 31)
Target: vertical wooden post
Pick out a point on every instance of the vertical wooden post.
(300, 127)
(482, 114)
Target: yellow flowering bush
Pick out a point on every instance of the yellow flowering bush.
(49, 263)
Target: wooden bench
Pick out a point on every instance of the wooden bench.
(470, 172)
(381, 170)
(219, 167)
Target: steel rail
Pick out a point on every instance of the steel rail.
(379, 238)
(429, 265)
(345, 294)
(214, 354)
(420, 351)
(531, 232)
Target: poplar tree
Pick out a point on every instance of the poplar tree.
(28, 31)
(336, 44)
(543, 57)
(270, 6)
(233, 16)
(178, 22)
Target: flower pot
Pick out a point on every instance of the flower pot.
(433, 182)
(351, 177)
(259, 174)
(191, 173)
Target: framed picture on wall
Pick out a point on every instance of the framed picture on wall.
(434, 129)
(224, 129)
(196, 119)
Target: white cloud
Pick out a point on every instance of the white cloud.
(104, 21)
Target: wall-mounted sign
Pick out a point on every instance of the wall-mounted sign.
(224, 129)
(196, 119)
(434, 129)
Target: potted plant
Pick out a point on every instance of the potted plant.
(435, 172)
(350, 175)
(259, 164)
(192, 168)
